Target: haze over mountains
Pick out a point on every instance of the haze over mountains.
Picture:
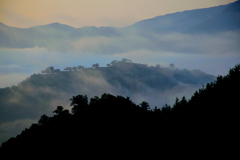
(41, 93)
(117, 122)
(61, 37)
(206, 39)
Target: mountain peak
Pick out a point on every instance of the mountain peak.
(227, 20)
(57, 25)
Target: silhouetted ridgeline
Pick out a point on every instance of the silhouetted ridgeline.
(116, 121)
(126, 78)
(39, 94)
(150, 34)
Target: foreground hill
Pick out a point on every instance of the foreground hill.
(40, 93)
(114, 122)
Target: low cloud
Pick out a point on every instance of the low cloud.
(213, 54)
(41, 94)
(217, 44)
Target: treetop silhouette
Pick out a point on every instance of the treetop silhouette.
(117, 119)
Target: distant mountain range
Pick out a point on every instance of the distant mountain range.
(226, 20)
(180, 21)
(60, 36)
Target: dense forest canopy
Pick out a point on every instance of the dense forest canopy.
(39, 94)
(115, 120)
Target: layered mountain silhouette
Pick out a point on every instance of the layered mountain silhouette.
(111, 122)
(40, 93)
(178, 22)
(58, 36)
(227, 20)
(183, 32)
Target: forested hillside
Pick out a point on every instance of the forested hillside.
(116, 120)
(39, 94)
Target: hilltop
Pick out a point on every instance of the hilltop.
(115, 121)
(40, 93)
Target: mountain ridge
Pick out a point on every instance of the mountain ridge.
(56, 23)
(179, 19)
(230, 16)
(39, 93)
(116, 121)
(145, 34)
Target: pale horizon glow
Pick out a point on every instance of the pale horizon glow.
(80, 13)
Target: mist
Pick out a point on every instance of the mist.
(213, 54)
(41, 93)
(198, 55)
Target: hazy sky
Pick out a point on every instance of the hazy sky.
(79, 13)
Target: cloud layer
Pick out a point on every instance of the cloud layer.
(213, 54)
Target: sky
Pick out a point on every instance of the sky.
(79, 13)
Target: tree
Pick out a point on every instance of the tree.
(176, 104)
(113, 62)
(80, 67)
(156, 110)
(183, 101)
(57, 71)
(95, 65)
(145, 106)
(48, 70)
(180, 105)
(43, 120)
(68, 69)
(58, 110)
(158, 66)
(74, 68)
(126, 60)
(79, 103)
(94, 100)
(172, 66)
(166, 108)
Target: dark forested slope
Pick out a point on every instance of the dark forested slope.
(116, 122)
(39, 94)
(121, 77)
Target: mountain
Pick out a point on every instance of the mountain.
(53, 36)
(209, 117)
(54, 26)
(227, 20)
(40, 93)
(63, 38)
(177, 22)
(40, 36)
